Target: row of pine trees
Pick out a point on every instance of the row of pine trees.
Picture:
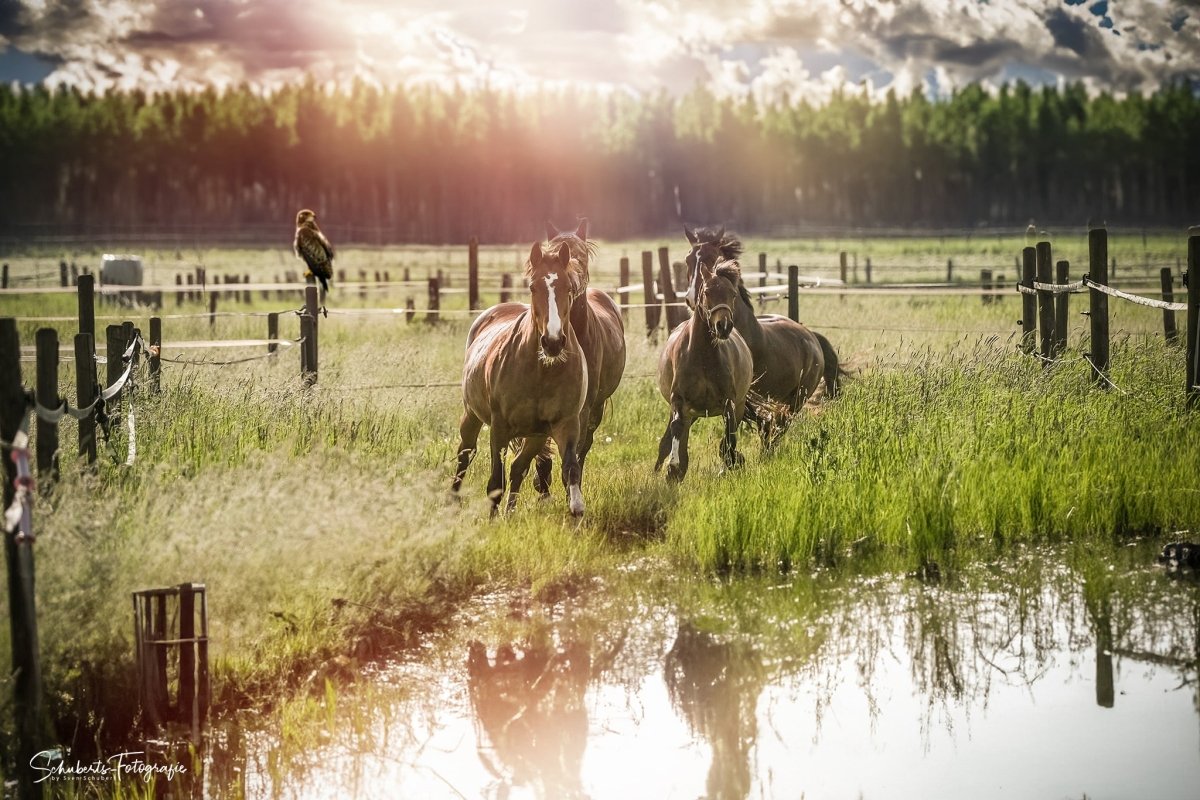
(433, 165)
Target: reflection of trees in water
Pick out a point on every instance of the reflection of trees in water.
(531, 722)
(714, 685)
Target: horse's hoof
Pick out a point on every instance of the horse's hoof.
(674, 474)
(544, 496)
(576, 501)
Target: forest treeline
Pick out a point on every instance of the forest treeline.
(433, 165)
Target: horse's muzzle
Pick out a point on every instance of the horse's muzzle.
(723, 328)
(552, 348)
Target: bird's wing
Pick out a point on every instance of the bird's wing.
(312, 247)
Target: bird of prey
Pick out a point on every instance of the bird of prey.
(311, 247)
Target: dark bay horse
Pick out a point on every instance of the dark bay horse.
(525, 375)
(789, 359)
(597, 324)
(705, 371)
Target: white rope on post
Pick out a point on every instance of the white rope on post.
(132, 436)
(1133, 298)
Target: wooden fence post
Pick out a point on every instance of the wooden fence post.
(4, 277)
(410, 310)
(85, 292)
(1028, 301)
(306, 338)
(623, 283)
(675, 313)
(154, 354)
(505, 286)
(653, 304)
(313, 310)
(985, 282)
(1170, 333)
(949, 270)
(18, 556)
(794, 292)
(272, 331)
(62, 274)
(868, 269)
(1045, 274)
(1098, 306)
(1061, 276)
(473, 274)
(1193, 317)
(212, 309)
(762, 278)
(47, 397)
(178, 289)
(85, 393)
(841, 264)
(113, 336)
(435, 300)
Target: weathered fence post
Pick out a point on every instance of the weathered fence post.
(435, 300)
(1028, 301)
(85, 392)
(113, 336)
(313, 342)
(841, 264)
(1045, 274)
(272, 331)
(868, 269)
(245, 292)
(47, 397)
(675, 313)
(85, 292)
(762, 278)
(1098, 306)
(410, 310)
(306, 338)
(985, 283)
(154, 354)
(178, 289)
(1061, 276)
(679, 275)
(18, 556)
(1193, 317)
(1112, 275)
(473, 274)
(623, 288)
(949, 270)
(1170, 333)
(4, 278)
(653, 304)
(794, 292)
(505, 287)
(62, 274)
(212, 309)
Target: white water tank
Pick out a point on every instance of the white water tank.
(121, 270)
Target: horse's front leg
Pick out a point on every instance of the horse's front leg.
(543, 468)
(566, 436)
(729, 453)
(468, 438)
(499, 446)
(520, 467)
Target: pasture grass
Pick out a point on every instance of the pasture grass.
(321, 523)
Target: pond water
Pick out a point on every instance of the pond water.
(1053, 672)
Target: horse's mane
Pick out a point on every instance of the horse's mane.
(732, 272)
(729, 244)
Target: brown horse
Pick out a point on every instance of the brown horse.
(789, 359)
(597, 324)
(705, 370)
(525, 375)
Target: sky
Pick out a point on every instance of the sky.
(773, 50)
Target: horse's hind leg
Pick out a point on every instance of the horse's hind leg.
(520, 467)
(543, 468)
(729, 454)
(495, 487)
(468, 433)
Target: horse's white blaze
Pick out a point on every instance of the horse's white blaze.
(674, 461)
(554, 325)
(576, 499)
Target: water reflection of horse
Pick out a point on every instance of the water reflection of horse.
(530, 707)
(525, 375)
(789, 359)
(704, 371)
(714, 686)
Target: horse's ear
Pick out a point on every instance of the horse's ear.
(581, 231)
(535, 255)
(564, 254)
(690, 234)
(551, 230)
(720, 234)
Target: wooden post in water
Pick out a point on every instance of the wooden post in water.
(435, 300)
(1028, 301)
(1045, 274)
(18, 555)
(272, 331)
(154, 354)
(1098, 303)
(653, 304)
(473, 274)
(1170, 333)
(85, 393)
(1061, 276)
(623, 284)
(47, 398)
(1193, 317)
(794, 292)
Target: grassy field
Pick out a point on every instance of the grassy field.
(321, 522)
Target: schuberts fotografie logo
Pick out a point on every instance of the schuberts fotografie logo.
(53, 765)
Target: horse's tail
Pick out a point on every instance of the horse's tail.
(833, 367)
